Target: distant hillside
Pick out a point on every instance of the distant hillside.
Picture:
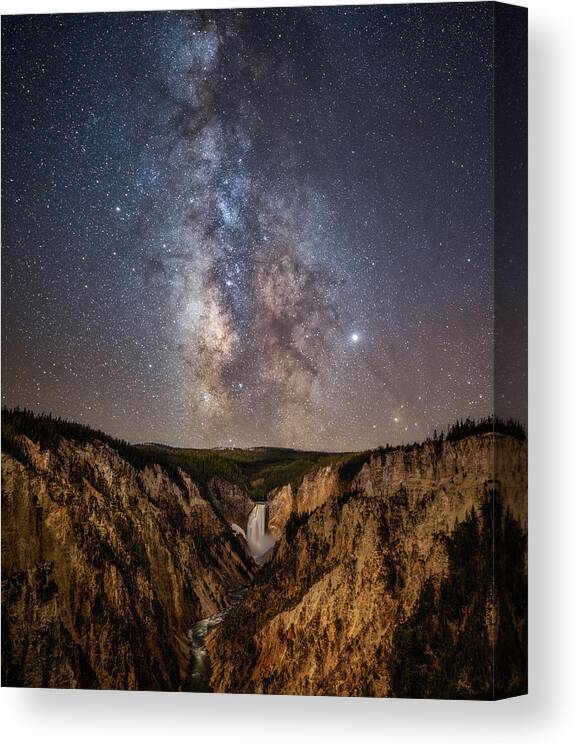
(257, 471)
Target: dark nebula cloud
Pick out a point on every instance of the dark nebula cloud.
(250, 227)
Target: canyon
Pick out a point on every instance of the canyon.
(105, 568)
(392, 572)
(374, 555)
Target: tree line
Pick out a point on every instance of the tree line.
(461, 429)
(47, 431)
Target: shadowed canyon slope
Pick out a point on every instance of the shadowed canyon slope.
(105, 567)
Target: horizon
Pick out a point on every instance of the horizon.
(438, 433)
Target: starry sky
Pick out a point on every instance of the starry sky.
(257, 227)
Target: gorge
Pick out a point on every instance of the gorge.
(366, 574)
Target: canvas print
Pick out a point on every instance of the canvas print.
(264, 351)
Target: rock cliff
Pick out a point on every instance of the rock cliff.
(400, 572)
(231, 501)
(452, 471)
(105, 567)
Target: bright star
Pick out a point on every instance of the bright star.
(355, 337)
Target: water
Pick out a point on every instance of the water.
(201, 669)
(258, 540)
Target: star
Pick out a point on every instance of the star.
(285, 276)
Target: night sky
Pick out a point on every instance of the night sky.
(258, 227)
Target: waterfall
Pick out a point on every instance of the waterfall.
(257, 538)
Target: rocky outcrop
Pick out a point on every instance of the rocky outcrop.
(105, 567)
(314, 490)
(318, 487)
(231, 501)
(452, 471)
(376, 562)
(280, 505)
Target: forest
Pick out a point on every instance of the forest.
(257, 471)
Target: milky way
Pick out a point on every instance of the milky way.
(251, 227)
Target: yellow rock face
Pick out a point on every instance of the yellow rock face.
(105, 568)
(354, 565)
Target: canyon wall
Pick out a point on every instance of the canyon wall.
(231, 501)
(105, 567)
(401, 573)
(452, 471)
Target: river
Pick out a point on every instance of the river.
(201, 668)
